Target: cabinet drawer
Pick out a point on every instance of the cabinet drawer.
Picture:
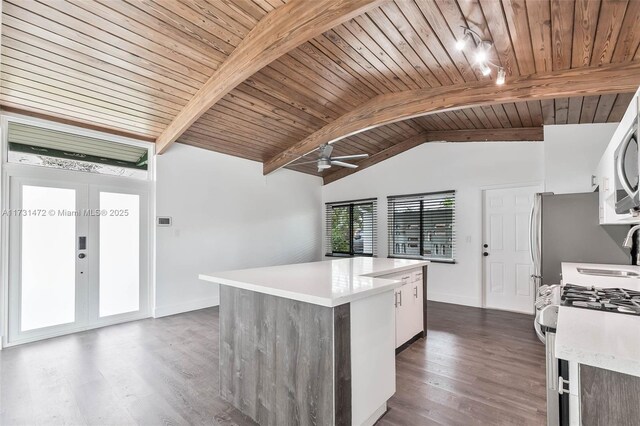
(417, 276)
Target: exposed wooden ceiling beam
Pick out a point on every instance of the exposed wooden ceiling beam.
(393, 107)
(280, 31)
(517, 134)
(393, 150)
(533, 134)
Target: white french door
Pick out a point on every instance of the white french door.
(507, 263)
(78, 256)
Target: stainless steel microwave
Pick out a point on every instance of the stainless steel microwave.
(627, 171)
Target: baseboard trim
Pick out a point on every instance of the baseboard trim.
(411, 341)
(453, 298)
(178, 308)
(377, 415)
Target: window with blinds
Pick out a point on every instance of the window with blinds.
(422, 226)
(351, 228)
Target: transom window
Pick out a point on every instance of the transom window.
(422, 226)
(40, 146)
(351, 228)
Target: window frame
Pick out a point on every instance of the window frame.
(352, 204)
(421, 197)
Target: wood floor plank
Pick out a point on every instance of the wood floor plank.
(476, 367)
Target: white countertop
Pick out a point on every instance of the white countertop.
(599, 339)
(327, 283)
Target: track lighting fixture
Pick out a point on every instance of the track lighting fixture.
(481, 54)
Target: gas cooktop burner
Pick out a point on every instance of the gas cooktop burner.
(603, 299)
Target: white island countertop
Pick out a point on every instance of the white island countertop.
(327, 283)
(599, 339)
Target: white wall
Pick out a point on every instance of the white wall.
(466, 167)
(227, 215)
(572, 153)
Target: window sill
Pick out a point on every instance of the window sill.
(449, 261)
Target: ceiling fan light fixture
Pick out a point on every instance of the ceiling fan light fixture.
(324, 163)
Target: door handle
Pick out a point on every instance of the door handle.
(82, 256)
(485, 254)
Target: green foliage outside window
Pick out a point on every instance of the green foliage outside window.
(341, 240)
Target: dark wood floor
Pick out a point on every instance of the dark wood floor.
(475, 367)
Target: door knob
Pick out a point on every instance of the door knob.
(486, 246)
(82, 255)
(485, 254)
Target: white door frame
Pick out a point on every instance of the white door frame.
(91, 184)
(9, 170)
(483, 190)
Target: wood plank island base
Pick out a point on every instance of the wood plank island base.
(311, 343)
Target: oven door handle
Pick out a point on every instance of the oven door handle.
(619, 165)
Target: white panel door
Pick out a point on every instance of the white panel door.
(507, 262)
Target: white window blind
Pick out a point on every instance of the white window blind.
(351, 228)
(422, 226)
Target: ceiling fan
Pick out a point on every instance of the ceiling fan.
(325, 160)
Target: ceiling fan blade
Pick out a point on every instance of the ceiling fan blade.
(350, 157)
(304, 162)
(343, 164)
(326, 150)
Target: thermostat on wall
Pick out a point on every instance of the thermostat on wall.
(164, 221)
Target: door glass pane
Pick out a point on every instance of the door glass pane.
(119, 253)
(47, 257)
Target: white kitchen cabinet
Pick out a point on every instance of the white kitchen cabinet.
(417, 303)
(409, 305)
(605, 173)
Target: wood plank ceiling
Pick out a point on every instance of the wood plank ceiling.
(129, 66)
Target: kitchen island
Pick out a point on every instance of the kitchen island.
(311, 343)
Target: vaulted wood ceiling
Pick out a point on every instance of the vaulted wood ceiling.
(131, 67)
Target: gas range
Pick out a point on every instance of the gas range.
(618, 300)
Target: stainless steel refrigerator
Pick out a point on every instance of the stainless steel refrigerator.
(565, 228)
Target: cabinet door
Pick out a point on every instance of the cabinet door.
(403, 315)
(608, 397)
(417, 303)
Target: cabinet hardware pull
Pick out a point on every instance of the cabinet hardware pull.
(400, 293)
(415, 291)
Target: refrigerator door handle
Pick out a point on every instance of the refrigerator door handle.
(534, 240)
(531, 243)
